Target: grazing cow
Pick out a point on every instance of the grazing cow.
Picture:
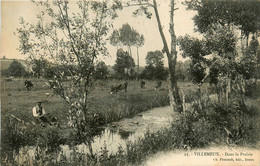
(158, 85)
(142, 84)
(28, 84)
(121, 86)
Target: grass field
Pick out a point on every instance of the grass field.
(18, 101)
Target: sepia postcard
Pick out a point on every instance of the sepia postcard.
(130, 82)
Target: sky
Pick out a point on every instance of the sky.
(11, 11)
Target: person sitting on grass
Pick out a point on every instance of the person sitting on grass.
(41, 116)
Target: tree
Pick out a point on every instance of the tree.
(221, 45)
(124, 65)
(243, 14)
(139, 43)
(73, 41)
(219, 21)
(155, 67)
(38, 67)
(49, 72)
(115, 38)
(101, 71)
(196, 50)
(171, 53)
(129, 37)
(181, 71)
(154, 58)
(249, 64)
(16, 69)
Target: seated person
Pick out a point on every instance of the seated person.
(42, 117)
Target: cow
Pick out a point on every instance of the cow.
(121, 86)
(142, 84)
(158, 85)
(28, 84)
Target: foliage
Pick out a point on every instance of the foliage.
(18, 134)
(223, 67)
(124, 66)
(103, 109)
(139, 40)
(38, 67)
(219, 27)
(249, 63)
(181, 71)
(115, 38)
(154, 58)
(204, 125)
(154, 73)
(126, 36)
(170, 50)
(196, 50)
(243, 14)
(16, 69)
(101, 71)
(74, 41)
(155, 67)
(207, 123)
(252, 89)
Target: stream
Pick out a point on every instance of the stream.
(118, 133)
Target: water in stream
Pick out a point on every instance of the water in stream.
(119, 133)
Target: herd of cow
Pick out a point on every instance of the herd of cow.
(114, 89)
(123, 86)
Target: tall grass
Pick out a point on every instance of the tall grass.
(203, 125)
(16, 134)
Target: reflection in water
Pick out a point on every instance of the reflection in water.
(114, 137)
(124, 134)
(110, 138)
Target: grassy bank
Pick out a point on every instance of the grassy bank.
(18, 101)
(204, 124)
(196, 128)
(18, 128)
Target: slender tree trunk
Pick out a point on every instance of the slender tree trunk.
(247, 38)
(137, 52)
(174, 97)
(130, 51)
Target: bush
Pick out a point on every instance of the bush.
(16, 69)
(17, 134)
(209, 123)
(252, 89)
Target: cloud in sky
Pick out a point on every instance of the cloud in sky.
(13, 10)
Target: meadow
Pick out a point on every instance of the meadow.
(17, 104)
(18, 101)
(205, 126)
